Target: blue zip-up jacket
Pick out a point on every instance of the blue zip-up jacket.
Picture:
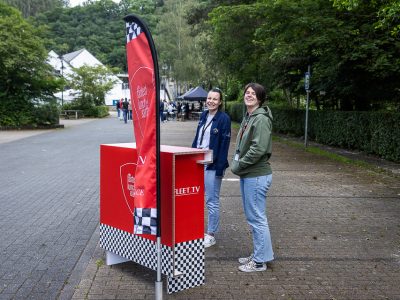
(220, 137)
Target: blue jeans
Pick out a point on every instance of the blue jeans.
(125, 115)
(254, 195)
(212, 185)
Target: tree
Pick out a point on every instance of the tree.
(175, 45)
(95, 26)
(30, 8)
(93, 83)
(353, 62)
(26, 80)
(387, 12)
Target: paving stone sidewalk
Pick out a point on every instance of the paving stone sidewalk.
(49, 199)
(335, 231)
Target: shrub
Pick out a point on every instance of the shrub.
(96, 111)
(235, 110)
(93, 111)
(32, 116)
(47, 114)
(372, 132)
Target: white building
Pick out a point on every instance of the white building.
(64, 66)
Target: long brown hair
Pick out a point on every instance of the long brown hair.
(261, 94)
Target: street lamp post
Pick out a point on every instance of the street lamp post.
(165, 68)
(307, 88)
(62, 76)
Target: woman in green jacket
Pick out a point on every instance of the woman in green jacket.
(251, 163)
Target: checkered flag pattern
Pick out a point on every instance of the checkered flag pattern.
(186, 258)
(136, 248)
(145, 221)
(132, 31)
(189, 260)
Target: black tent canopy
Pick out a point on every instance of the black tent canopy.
(195, 94)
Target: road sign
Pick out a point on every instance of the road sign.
(307, 81)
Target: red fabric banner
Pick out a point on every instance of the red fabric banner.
(143, 90)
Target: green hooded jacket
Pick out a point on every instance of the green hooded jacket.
(254, 145)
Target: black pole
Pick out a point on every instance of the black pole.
(307, 106)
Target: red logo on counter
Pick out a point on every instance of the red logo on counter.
(189, 190)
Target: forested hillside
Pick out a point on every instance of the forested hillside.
(352, 47)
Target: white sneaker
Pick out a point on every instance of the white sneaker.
(209, 240)
(245, 260)
(252, 267)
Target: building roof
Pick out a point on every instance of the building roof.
(70, 56)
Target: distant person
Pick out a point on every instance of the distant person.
(118, 107)
(125, 109)
(186, 114)
(179, 110)
(214, 133)
(251, 163)
(121, 116)
(171, 111)
(165, 112)
(162, 111)
(129, 110)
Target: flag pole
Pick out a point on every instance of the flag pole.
(158, 283)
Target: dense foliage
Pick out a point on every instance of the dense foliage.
(97, 26)
(26, 80)
(31, 8)
(372, 132)
(93, 83)
(352, 46)
(179, 50)
(355, 63)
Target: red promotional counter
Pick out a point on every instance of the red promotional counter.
(182, 212)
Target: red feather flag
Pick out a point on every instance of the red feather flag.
(144, 91)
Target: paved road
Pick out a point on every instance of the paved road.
(335, 228)
(49, 195)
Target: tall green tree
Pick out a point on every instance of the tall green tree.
(177, 48)
(355, 65)
(25, 77)
(93, 83)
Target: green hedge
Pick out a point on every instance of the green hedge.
(47, 114)
(92, 111)
(41, 115)
(97, 111)
(372, 132)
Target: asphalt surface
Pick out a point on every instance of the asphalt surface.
(335, 228)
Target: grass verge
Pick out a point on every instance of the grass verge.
(335, 157)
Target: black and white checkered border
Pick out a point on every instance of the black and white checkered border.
(186, 258)
(136, 248)
(189, 260)
(132, 31)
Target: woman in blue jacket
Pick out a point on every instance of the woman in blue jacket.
(214, 133)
